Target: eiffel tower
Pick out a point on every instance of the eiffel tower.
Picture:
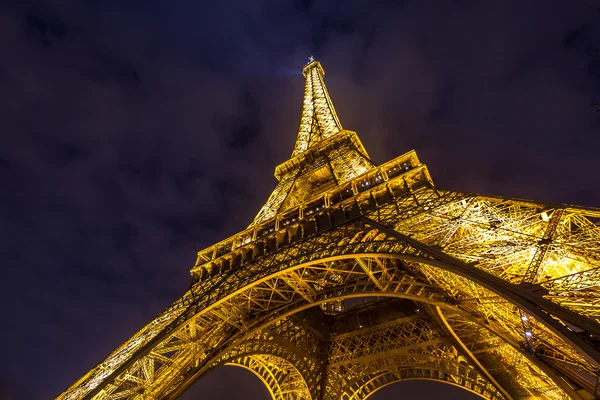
(354, 276)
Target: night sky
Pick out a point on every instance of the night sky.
(135, 133)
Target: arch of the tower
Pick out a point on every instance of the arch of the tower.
(457, 374)
(286, 366)
(521, 376)
(484, 320)
(281, 378)
(367, 347)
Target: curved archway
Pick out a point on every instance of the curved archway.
(448, 371)
(407, 287)
(281, 378)
(475, 279)
(465, 378)
(363, 275)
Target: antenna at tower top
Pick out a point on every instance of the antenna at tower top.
(310, 59)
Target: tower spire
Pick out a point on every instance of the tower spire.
(319, 120)
(325, 155)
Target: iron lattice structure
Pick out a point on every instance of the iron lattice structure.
(497, 296)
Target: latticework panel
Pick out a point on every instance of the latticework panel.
(282, 379)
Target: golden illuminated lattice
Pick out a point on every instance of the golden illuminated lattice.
(319, 120)
(497, 296)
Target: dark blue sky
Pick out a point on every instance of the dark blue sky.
(134, 133)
